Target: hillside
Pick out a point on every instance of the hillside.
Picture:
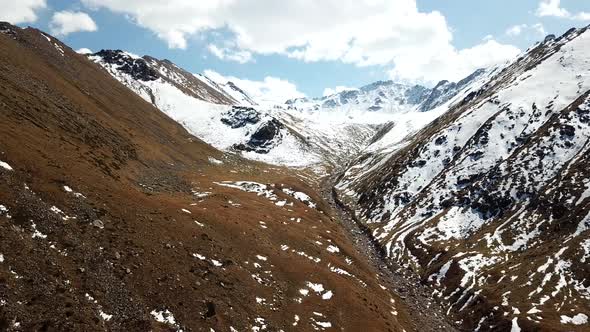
(489, 202)
(138, 196)
(114, 217)
(321, 134)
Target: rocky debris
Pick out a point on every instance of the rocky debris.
(8, 29)
(98, 224)
(397, 278)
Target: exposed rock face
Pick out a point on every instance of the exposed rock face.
(446, 90)
(267, 135)
(7, 29)
(417, 94)
(240, 116)
(136, 67)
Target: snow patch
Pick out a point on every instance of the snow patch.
(5, 166)
(579, 319)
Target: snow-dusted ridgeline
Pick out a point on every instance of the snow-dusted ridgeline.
(490, 200)
(321, 134)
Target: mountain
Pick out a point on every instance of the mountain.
(238, 94)
(387, 97)
(321, 134)
(445, 91)
(224, 116)
(132, 197)
(114, 217)
(131, 69)
(489, 202)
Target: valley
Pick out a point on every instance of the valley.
(137, 196)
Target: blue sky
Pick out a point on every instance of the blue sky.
(252, 32)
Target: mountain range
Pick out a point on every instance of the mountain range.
(318, 133)
(136, 195)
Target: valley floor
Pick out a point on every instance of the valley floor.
(425, 311)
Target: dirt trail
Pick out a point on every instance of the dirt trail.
(428, 314)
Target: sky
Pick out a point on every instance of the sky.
(297, 48)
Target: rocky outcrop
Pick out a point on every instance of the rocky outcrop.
(266, 136)
(446, 90)
(136, 67)
(240, 116)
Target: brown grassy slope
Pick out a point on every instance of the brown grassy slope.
(64, 122)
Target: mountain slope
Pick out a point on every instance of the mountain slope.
(490, 201)
(114, 217)
(131, 69)
(322, 134)
(275, 135)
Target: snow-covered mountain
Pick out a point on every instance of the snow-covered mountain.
(490, 202)
(387, 97)
(138, 73)
(225, 117)
(476, 186)
(321, 133)
(481, 188)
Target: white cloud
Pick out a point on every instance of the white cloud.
(517, 30)
(360, 32)
(450, 63)
(229, 54)
(330, 91)
(271, 90)
(84, 50)
(540, 29)
(582, 16)
(20, 11)
(66, 22)
(552, 8)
